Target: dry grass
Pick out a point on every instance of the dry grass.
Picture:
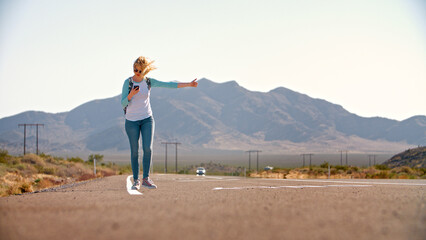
(33, 173)
(341, 172)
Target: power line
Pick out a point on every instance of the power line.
(310, 158)
(25, 133)
(257, 153)
(341, 157)
(369, 159)
(165, 161)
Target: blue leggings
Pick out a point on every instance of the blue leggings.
(134, 129)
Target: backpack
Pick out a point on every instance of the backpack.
(148, 83)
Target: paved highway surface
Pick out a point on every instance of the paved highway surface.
(213, 207)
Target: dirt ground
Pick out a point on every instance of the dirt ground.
(191, 207)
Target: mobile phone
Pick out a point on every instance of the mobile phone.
(136, 87)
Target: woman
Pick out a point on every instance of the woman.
(139, 121)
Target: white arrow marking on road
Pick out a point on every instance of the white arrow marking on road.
(129, 187)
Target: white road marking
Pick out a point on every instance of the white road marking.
(213, 177)
(207, 180)
(129, 187)
(276, 187)
(204, 179)
(348, 182)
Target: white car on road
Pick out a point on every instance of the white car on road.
(201, 171)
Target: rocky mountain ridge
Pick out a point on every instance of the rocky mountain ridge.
(219, 116)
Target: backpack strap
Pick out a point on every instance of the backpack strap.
(130, 89)
(130, 84)
(148, 83)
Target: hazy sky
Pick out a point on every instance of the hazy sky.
(368, 56)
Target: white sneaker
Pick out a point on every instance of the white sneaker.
(136, 185)
(148, 183)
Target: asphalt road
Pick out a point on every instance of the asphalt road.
(191, 207)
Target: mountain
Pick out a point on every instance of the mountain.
(218, 116)
(414, 158)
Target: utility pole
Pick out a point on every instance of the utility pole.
(369, 159)
(165, 162)
(346, 157)
(25, 133)
(341, 157)
(310, 158)
(257, 152)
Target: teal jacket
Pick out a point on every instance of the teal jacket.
(154, 83)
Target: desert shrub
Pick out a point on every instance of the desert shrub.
(46, 170)
(26, 187)
(33, 159)
(43, 155)
(45, 183)
(14, 161)
(39, 168)
(75, 159)
(53, 160)
(402, 176)
(3, 190)
(403, 169)
(99, 158)
(19, 188)
(20, 167)
(324, 165)
(13, 190)
(319, 171)
(275, 170)
(28, 170)
(381, 167)
(3, 155)
(70, 171)
(125, 169)
(50, 171)
(392, 175)
(382, 175)
(340, 167)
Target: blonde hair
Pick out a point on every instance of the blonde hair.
(145, 64)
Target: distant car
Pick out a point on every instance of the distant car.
(201, 171)
(268, 168)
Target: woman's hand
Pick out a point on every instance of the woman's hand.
(132, 93)
(193, 83)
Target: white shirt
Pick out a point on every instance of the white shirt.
(139, 106)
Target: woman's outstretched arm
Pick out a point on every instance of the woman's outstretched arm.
(156, 83)
(190, 84)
